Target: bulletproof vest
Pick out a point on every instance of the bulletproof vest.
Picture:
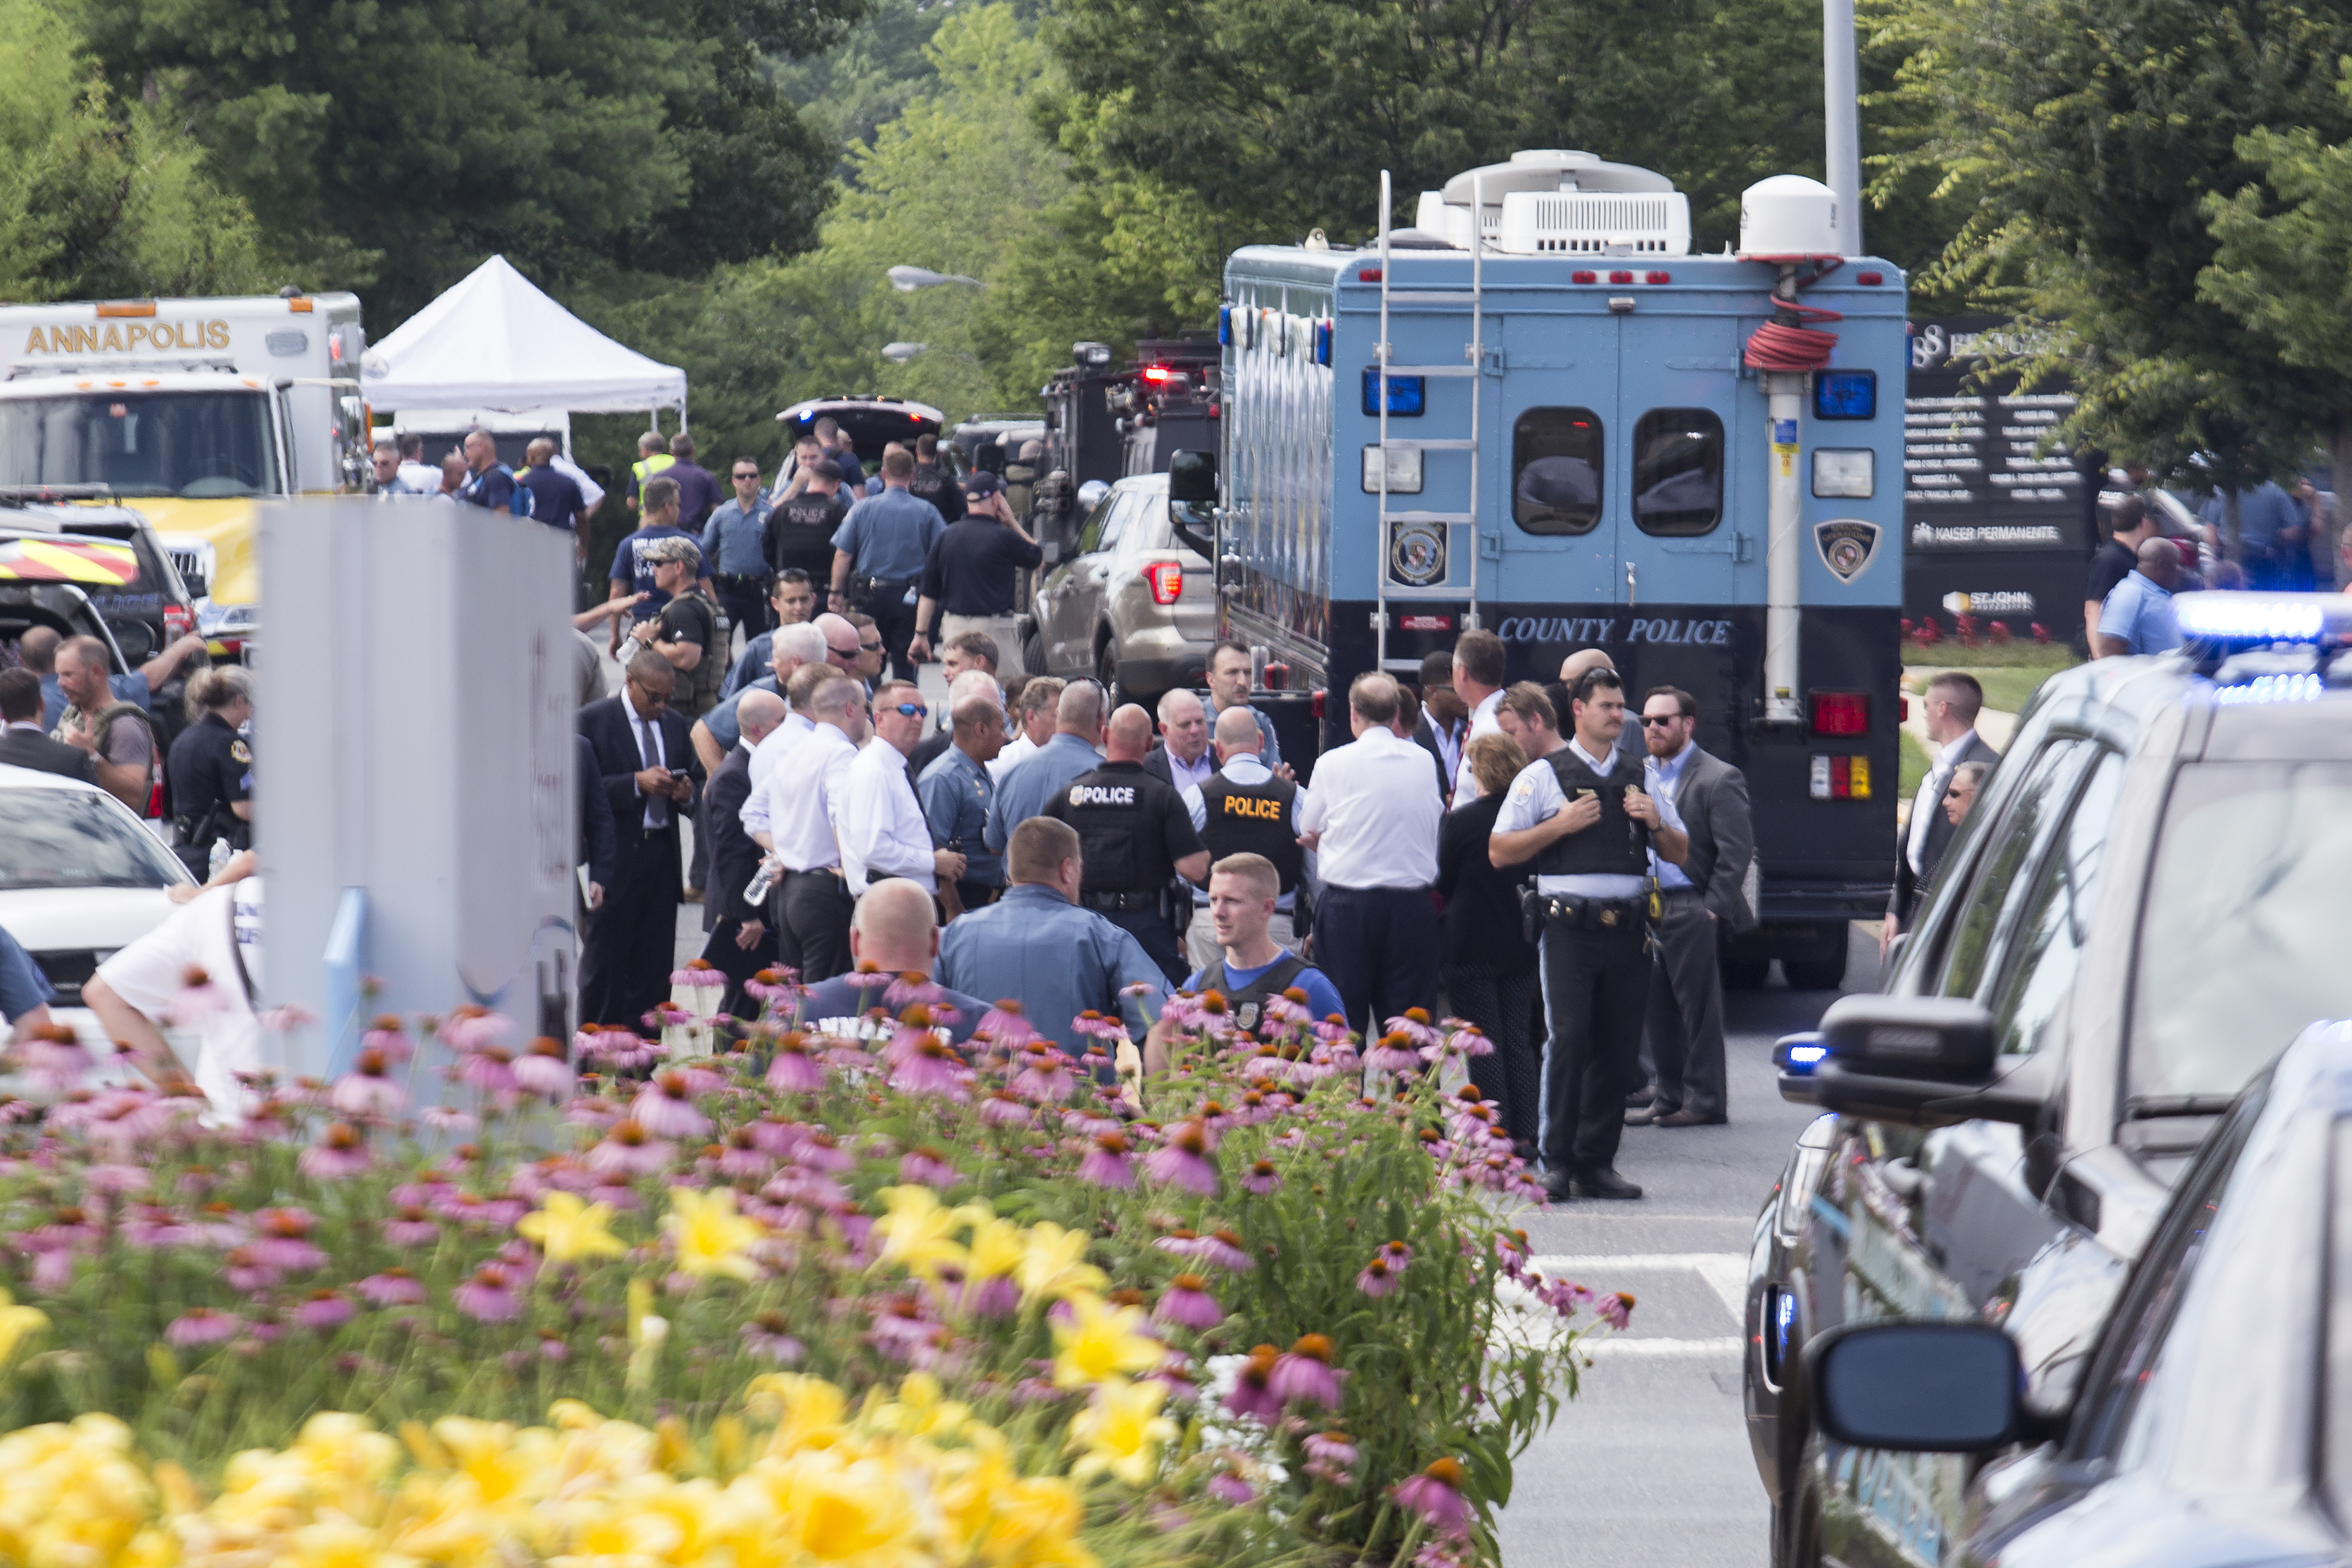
(1020, 482)
(928, 484)
(800, 525)
(699, 692)
(1253, 819)
(1616, 846)
(1247, 1005)
(103, 725)
(1112, 810)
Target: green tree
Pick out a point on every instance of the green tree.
(2082, 141)
(97, 201)
(393, 145)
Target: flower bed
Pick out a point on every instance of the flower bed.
(810, 1300)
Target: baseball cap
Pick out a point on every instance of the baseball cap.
(982, 484)
(663, 551)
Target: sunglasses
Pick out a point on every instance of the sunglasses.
(869, 648)
(1659, 723)
(909, 710)
(754, 478)
(653, 699)
(849, 653)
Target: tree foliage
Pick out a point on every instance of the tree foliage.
(96, 202)
(2083, 140)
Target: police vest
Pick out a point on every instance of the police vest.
(647, 468)
(1246, 1004)
(101, 724)
(1119, 813)
(928, 483)
(1616, 846)
(1253, 819)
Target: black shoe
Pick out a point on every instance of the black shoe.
(1556, 1185)
(1605, 1182)
(1688, 1118)
(1644, 1116)
(1642, 1097)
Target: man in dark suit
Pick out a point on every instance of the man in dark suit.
(1443, 727)
(22, 744)
(645, 757)
(1704, 899)
(1182, 758)
(740, 944)
(597, 848)
(1950, 707)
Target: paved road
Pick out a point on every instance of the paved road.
(1650, 1464)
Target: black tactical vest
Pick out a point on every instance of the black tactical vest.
(1118, 811)
(1616, 846)
(1253, 819)
(1246, 1005)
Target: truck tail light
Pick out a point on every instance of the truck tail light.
(177, 622)
(1167, 580)
(1840, 777)
(1840, 712)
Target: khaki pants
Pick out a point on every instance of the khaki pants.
(1201, 936)
(997, 628)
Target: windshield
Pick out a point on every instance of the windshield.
(190, 444)
(2242, 942)
(74, 838)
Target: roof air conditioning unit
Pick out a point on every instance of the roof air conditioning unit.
(1555, 203)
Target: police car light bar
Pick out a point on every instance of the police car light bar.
(2223, 616)
(1799, 1054)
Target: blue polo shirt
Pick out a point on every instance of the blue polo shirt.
(1035, 779)
(1056, 959)
(2139, 614)
(724, 727)
(957, 793)
(23, 987)
(1322, 996)
(733, 542)
(630, 566)
(890, 536)
(555, 496)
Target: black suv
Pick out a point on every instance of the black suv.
(144, 609)
(2137, 916)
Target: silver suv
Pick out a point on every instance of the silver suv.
(1133, 606)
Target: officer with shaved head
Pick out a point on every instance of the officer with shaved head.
(1138, 844)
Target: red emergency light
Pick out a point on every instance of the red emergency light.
(1155, 373)
(1840, 712)
(1658, 277)
(1580, 276)
(1621, 277)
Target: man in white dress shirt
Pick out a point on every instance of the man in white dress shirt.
(1373, 819)
(1478, 682)
(1950, 707)
(1034, 712)
(883, 830)
(801, 800)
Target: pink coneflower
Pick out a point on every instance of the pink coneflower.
(323, 1310)
(1305, 1373)
(823, 1151)
(1004, 1025)
(1229, 1487)
(202, 1326)
(473, 1028)
(795, 1069)
(1184, 1160)
(768, 1334)
(115, 1179)
(446, 1119)
(628, 1150)
(1004, 1108)
(1262, 1179)
(1092, 1023)
(387, 1034)
(776, 1135)
(1221, 1249)
(1393, 1054)
(53, 1058)
(283, 1240)
(342, 1151)
(1329, 1455)
(1616, 1309)
(1187, 1304)
(393, 1288)
(932, 1069)
(1107, 1164)
(490, 1069)
(1378, 1280)
(1253, 1395)
(1087, 1123)
(741, 1157)
(1414, 1025)
(996, 1296)
(868, 979)
(154, 1226)
(1565, 1296)
(666, 1109)
(773, 985)
(1436, 1494)
(912, 1028)
(541, 1069)
(698, 974)
(618, 1050)
(1397, 1252)
(411, 1225)
(551, 1346)
(927, 1167)
(907, 988)
(488, 1296)
(368, 1089)
(198, 999)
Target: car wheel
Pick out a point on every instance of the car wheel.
(1797, 1528)
(1033, 654)
(1814, 975)
(1106, 671)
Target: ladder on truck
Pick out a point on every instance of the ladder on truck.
(1459, 529)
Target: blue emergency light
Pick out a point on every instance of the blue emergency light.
(1225, 326)
(1846, 394)
(1406, 394)
(2227, 617)
(1799, 1054)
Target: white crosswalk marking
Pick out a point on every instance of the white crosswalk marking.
(1724, 1273)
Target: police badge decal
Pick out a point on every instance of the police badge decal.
(1848, 545)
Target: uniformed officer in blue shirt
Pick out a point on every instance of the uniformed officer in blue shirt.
(878, 554)
(957, 791)
(1036, 946)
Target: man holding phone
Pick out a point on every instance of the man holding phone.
(650, 775)
(1583, 817)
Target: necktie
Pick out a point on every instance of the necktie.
(656, 807)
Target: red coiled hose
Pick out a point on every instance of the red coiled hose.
(1773, 346)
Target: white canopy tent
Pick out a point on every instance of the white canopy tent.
(494, 341)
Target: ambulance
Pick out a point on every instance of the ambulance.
(191, 411)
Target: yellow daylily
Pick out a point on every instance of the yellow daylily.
(1121, 1431)
(16, 1325)
(811, 1411)
(568, 1230)
(1054, 1266)
(996, 1249)
(922, 1409)
(710, 1237)
(1101, 1343)
(916, 1232)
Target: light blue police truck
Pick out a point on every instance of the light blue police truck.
(1536, 412)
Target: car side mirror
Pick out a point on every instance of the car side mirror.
(1916, 1388)
(1946, 1038)
(1193, 478)
(1923, 1061)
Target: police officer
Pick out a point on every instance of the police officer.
(1582, 816)
(878, 553)
(1243, 808)
(210, 768)
(653, 457)
(1136, 838)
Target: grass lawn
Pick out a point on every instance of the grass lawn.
(2008, 675)
(1914, 766)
